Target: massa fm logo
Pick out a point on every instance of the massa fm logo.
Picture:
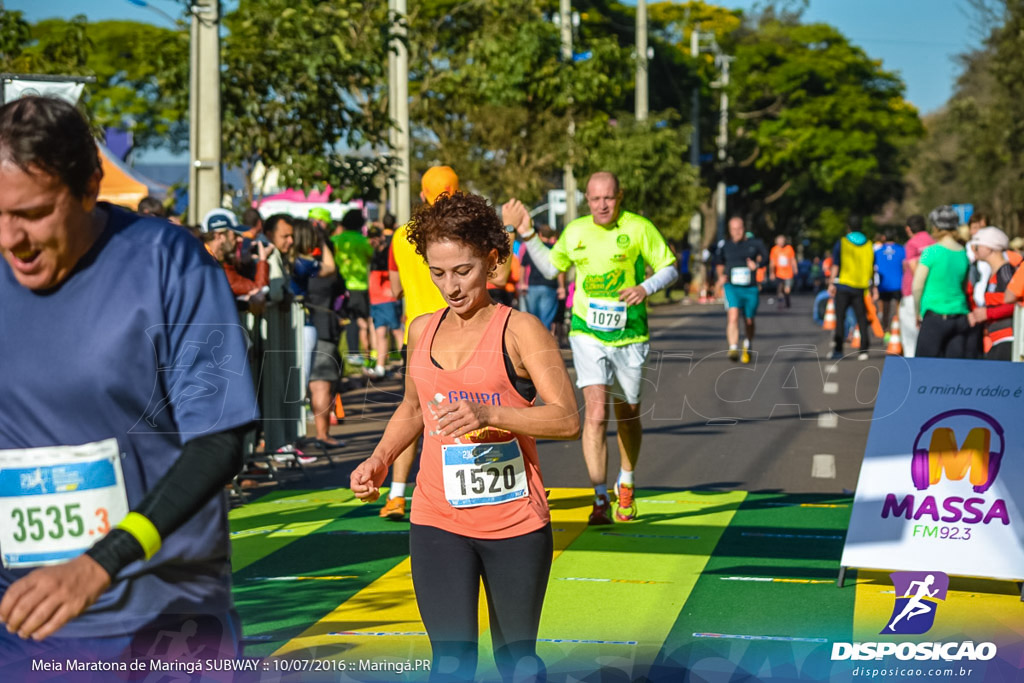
(975, 459)
(917, 596)
(944, 454)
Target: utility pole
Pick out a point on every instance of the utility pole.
(390, 186)
(204, 174)
(568, 179)
(723, 141)
(695, 102)
(641, 60)
(400, 93)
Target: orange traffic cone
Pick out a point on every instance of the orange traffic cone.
(895, 343)
(830, 316)
(873, 321)
(855, 339)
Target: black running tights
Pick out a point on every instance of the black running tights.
(446, 573)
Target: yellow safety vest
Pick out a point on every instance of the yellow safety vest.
(856, 264)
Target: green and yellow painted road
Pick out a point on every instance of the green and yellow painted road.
(731, 583)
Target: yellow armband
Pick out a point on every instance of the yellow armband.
(143, 531)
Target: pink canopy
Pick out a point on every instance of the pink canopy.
(296, 195)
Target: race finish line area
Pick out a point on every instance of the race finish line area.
(704, 586)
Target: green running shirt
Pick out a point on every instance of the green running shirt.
(352, 254)
(609, 259)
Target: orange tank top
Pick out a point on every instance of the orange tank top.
(488, 483)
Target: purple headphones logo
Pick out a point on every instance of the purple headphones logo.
(945, 454)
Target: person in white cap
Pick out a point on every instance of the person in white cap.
(220, 232)
(990, 245)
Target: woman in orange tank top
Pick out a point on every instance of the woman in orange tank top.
(479, 510)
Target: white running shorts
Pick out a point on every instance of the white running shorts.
(619, 367)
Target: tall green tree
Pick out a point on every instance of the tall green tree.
(820, 129)
(305, 92)
(141, 70)
(493, 97)
(650, 159)
(974, 152)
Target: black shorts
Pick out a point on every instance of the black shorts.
(358, 305)
(326, 362)
(893, 295)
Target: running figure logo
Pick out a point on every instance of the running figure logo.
(917, 594)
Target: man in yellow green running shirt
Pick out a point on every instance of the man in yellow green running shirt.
(611, 250)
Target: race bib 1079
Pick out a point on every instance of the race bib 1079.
(606, 315)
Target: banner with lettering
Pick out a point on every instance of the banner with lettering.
(942, 482)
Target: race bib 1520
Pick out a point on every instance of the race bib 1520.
(483, 473)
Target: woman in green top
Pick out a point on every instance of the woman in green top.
(940, 294)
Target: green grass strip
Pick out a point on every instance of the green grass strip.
(767, 626)
(275, 595)
(627, 582)
(279, 518)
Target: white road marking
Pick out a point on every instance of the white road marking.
(831, 387)
(823, 466)
(828, 420)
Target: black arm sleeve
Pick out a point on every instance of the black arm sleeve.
(205, 466)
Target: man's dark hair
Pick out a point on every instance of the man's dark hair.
(853, 223)
(270, 225)
(251, 217)
(388, 221)
(980, 217)
(353, 220)
(916, 223)
(151, 206)
(51, 135)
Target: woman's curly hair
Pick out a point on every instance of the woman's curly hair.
(459, 217)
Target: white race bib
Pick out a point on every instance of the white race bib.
(606, 315)
(740, 276)
(483, 473)
(55, 502)
(783, 261)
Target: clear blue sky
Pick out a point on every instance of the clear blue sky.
(917, 38)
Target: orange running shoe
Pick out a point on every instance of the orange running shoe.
(394, 509)
(625, 506)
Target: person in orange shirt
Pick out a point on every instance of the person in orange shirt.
(783, 260)
(479, 510)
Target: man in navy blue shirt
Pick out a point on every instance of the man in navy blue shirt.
(126, 391)
(889, 278)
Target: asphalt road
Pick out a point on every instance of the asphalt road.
(791, 421)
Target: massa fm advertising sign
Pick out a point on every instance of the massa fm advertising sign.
(942, 482)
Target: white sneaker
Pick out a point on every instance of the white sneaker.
(379, 371)
(863, 355)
